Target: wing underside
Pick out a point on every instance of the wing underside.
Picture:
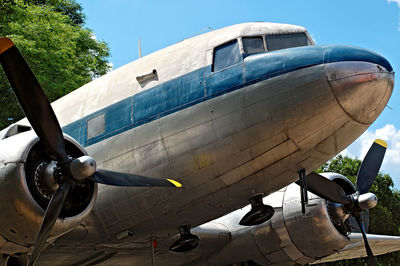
(380, 244)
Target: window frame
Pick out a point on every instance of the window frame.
(242, 54)
(240, 48)
(97, 120)
(310, 43)
(262, 36)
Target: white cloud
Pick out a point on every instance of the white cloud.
(111, 66)
(395, 1)
(398, 4)
(390, 134)
(347, 152)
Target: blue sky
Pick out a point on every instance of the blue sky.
(372, 24)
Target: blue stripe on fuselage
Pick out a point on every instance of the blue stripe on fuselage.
(202, 84)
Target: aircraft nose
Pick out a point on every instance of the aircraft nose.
(362, 83)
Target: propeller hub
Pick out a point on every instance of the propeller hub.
(83, 167)
(367, 201)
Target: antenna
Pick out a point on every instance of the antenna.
(140, 48)
(203, 30)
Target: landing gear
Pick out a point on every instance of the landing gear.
(186, 242)
(259, 212)
(303, 190)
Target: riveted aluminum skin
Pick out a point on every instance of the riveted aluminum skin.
(361, 88)
(313, 233)
(224, 150)
(252, 140)
(274, 242)
(267, 244)
(24, 216)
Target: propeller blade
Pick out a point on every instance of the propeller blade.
(130, 180)
(370, 166)
(32, 99)
(326, 189)
(371, 258)
(50, 217)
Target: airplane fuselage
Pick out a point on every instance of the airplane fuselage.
(226, 133)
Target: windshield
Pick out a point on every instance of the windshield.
(253, 45)
(226, 55)
(283, 41)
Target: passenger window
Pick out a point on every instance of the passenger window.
(96, 126)
(253, 45)
(226, 55)
(283, 41)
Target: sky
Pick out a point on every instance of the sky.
(371, 24)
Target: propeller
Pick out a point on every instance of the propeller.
(69, 171)
(360, 201)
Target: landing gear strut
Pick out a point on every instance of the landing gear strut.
(303, 190)
(186, 242)
(259, 212)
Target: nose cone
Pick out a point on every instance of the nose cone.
(362, 83)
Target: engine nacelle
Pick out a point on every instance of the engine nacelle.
(289, 237)
(318, 232)
(293, 237)
(23, 200)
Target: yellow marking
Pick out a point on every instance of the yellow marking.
(381, 142)
(175, 183)
(5, 44)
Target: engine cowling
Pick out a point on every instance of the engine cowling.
(293, 237)
(24, 198)
(322, 230)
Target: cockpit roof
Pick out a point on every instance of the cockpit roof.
(220, 36)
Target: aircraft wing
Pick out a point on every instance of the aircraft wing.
(380, 244)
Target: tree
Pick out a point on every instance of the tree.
(385, 217)
(67, 7)
(72, 9)
(62, 54)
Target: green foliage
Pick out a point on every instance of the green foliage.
(67, 7)
(342, 165)
(62, 54)
(72, 9)
(384, 218)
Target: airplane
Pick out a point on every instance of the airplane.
(154, 162)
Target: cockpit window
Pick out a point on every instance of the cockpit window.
(226, 55)
(283, 41)
(253, 45)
